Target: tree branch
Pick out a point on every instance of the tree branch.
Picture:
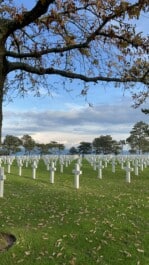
(42, 6)
(67, 74)
(29, 16)
(116, 13)
(132, 42)
(37, 54)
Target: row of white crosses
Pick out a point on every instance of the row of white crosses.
(51, 166)
(33, 161)
(125, 161)
(63, 160)
(75, 171)
(98, 163)
(50, 162)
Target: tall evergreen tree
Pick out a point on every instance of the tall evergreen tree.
(139, 138)
(106, 145)
(12, 144)
(28, 143)
(85, 148)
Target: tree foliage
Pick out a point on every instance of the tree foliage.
(11, 144)
(43, 148)
(28, 143)
(106, 145)
(85, 148)
(92, 41)
(73, 150)
(139, 138)
(56, 147)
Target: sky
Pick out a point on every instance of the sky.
(67, 117)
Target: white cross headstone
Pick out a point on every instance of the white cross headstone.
(2, 177)
(136, 167)
(100, 168)
(48, 165)
(113, 165)
(128, 170)
(106, 162)
(34, 166)
(94, 165)
(91, 161)
(76, 173)
(61, 166)
(66, 163)
(26, 162)
(141, 164)
(20, 164)
(79, 161)
(145, 164)
(52, 170)
(122, 161)
(9, 165)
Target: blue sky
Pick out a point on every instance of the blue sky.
(66, 117)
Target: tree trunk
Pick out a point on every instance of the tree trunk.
(3, 67)
(2, 80)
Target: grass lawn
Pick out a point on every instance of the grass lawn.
(103, 222)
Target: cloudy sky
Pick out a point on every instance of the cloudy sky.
(66, 117)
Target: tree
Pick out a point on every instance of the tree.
(43, 148)
(73, 150)
(11, 144)
(106, 145)
(122, 143)
(60, 147)
(28, 143)
(116, 147)
(139, 138)
(85, 148)
(91, 41)
(56, 147)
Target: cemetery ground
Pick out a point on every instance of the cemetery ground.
(105, 221)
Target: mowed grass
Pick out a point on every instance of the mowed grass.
(103, 222)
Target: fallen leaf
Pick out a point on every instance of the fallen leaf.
(140, 250)
(59, 254)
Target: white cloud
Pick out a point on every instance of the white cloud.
(75, 124)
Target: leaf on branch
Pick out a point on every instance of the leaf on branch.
(84, 51)
(70, 40)
(134, 12)
(19, 17)
(96, 62)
